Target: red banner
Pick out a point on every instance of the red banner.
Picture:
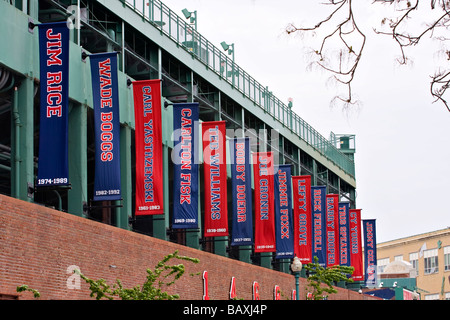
(301, 189)
(148, 140)
(215, 171)
(332, 224)
(356, 244)
(263, 172)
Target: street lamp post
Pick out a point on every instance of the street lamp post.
(226, 47)
(192, 15)
(230, 49)
(296, 267)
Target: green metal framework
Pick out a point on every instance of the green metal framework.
(176, 28)
(153, 42)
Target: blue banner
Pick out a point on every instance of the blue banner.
(106, 126)
(284, 230)
(241, 192)
(318, 199)
(344, 234)
(370, 252)
(185, 160)
(54, 100)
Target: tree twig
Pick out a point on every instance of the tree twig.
(342, 74)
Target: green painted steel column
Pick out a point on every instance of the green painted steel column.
(245, 254)
(161, 222)
(314, 173)
(22, 133)
(353, 198)
(77, 196)
(266, 260)
(166, 159)
(124, 213)
(15, 142)
(285, 265)
(33, 9)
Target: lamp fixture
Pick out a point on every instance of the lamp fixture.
(296, 265)
(226, 47)
(190, 15)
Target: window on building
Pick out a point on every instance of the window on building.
(447, 258)
(414, 260)
(398, 258)
(431, 261)
(432, 296)
(382, 263)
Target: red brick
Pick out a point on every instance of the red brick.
(38, 244)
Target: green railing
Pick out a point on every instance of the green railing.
(175, 27)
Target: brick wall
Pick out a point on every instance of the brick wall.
(38, 245)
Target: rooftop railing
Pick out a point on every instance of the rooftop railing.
(176, 28)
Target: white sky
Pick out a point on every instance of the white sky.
(402, 138)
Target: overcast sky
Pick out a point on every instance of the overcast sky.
(402, 137)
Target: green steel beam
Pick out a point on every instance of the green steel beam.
(125, 212)
(24, 60)
(161, 222)
(266, 260)
(22, 144)
(15, 142)
(77, 195)
(314, 173)
(33, 9)
(245, 253)
(197, 63)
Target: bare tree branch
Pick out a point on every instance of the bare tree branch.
(351, 41)
(439, 84)
(440, 81)
(345, 30)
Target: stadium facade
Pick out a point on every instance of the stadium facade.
(151, 42)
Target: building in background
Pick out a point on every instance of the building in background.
(428, 254)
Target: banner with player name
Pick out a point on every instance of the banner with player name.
(105, 95)
(263, 171)
(301, 186)
(215, 173)
(241, 192)
(283, 213)
(355, 244)
(370, 253)
(148, 142)
(185, 160)
(344, 234)
(54, 104)
(318, 198)
(332, 230)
